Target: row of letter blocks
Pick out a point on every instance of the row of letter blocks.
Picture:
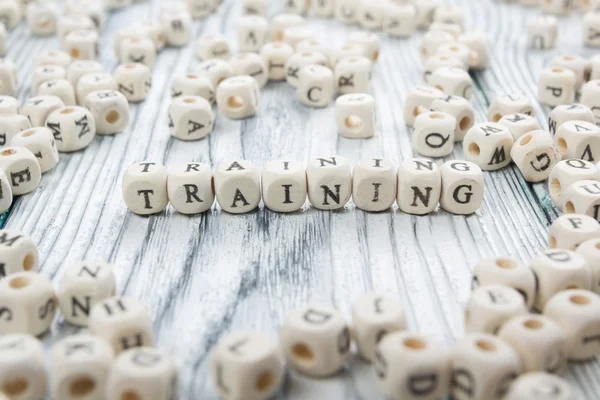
(418, 185)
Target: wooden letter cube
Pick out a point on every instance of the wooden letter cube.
(73, 128)
(462, 187)
(419, 186)
(535, 155)
(374, 184)
(237, 186)
(284, 185)
(238, 97)
(569, 231)
(18, 251)
(145, 188)
(190, 188)
(535, 384)
(41, 143)
(433, 134)
(579, 139)
(491, 306)
(22, 374)
(22, 169)
(488, 145)
(329, 182)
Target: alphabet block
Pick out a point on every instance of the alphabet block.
(462, 111)
(481, 47)
(190, 118)
(590, 250)
(436, 62)
(569, 231)
(73, 128)
(296, 34)
(37, 109)
(329, 182)
(10, 125)
(215, 69)
(93, 82)
(347, 50)
(490, 306)
(579, 140)
(353, 75)
(53, 57)
(6, 198)
(238, 97)
(138, 49)
(370, 41)
(579, 65)
(21, 168)
(77, 69)
(40, 142)
(583, 197)
(591, 33)
(590, 97)
(431, 41)
(299, 60)
(433, 134)
(237, 185)
(565, 174)
(355, 115)
(22, 367)
(250, 64)
(212, 46)
(400, 20)
(519, 124)
(532, 384)
(18, 251)
(462, 187)
(190, 188)
(281, 22)
(374, 184)
(449, 14)
(145, 188)
(556, 86)
(45, 73)
(275, 56)
(514, 103)
(535, 155)
(9, 105)
(452, 81)
(284, 185)
(419, 186)
(568, 112)
(316, 86)
(488, 145)
(134, 80)
(419, 100)
(110, 110)
(177, 25)
(252, 33)
(457, 51)
(82, 44)
(60, 88)
(42, 18)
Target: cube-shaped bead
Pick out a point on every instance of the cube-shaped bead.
(73, 128)
(590, 250)
(535, 155)
(190, 118)
(419, 186)
(275, 56)
(238, 97)
(452, 81)
(488, 145)
(566, 173)
(134, 80)
(433, 134)
(590, 97)
(18, 252)
(583, 197)
(569, 112)
(252, 33)
(514, 103)
(10, 125)
(190, 188)
(237, 186)
(60, 88)
(298, 61)
(462, 111)
(556, 86)
(374, 184)
(216, 70)
(568, 231)
(250, 64)
(535, 384)
(212, 46)
(82, 44)
(281, 22)
(193, 85)
(110, 110)
(316, 86)
(490, 306)
(355, 115)
(419, 100)
(21, 168)
(519, 124)
(284, 185)
(22, 373)
(329, 182)
(144, 188)
(77, 69)
(41, 143)
(579, 65)
(138, 49)
(462, 187)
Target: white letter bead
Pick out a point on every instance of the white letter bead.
(296, 34)
(60, 88)
(193, 85)
(566, 173)
(6, 198)
(121, 321)
(488, 145)
(252, 33)
(238, 97)
(110, 110)
(247, 365)
(255, 7)
(329, 182)
(481, 48)
(73, 128)
(557, 270)
(425, 10)
(299, 60)
(569, 112)
(22, 373)
(82, 286)
(142, 373)
(579, 139)
(212, 46)
(355, 115)
(449, 15)
(578, 313)
(41, 143)
(568, 231)
(21, 168)
(370, 15)
(462, 187)
(374, 184)
(431, 41)
(70, 23)
(80, 365)
(557, 7)
(315, 341)
(250, 64)
(296, 6)
(435, 62)
(283, 21)
(515, 103)
(370, 41)
(284, 186)
(346, 11)
(93, 82)
(410, 366)
(145, 188)
(10, 125)
(9, 105)
(540, 342)
(45, 73)
(590, 250)
(535, 155)
(316, 86)
(8, 76)
(190, 118)
(347, 50)
(458, 107)
(519, 124)
(591, 21)
(237, 186)
(433, 134)
(419, 186)
(490, 306)
(216, 70)
(418, 100)
(10, 13)
(134, 80)
(42, 18)
(353, 75)
(506, 271)
(138, 49)
(375, 315)
(178, 27)
(77, 69)
(579, 65)
(458, 51)
(452, 81)
(400, 20)
(18, 252)
(82, 44)
(190, 188)
(483, 367)
(590, 97)
(275, 56)
(536, 384)
(583, 197)
(29, 303)
(556, 86)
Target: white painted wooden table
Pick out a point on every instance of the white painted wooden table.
(209, 274)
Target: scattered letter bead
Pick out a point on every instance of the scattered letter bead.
(375, 315)
(283, 21)
(110, 110)
(42, 18)
(134, 80)
(216, 70)
(299, 60)
(9, 105)
(83, 285)
(556, 86)
(370, 14)
(488, 145)
(8, 76)
(579, 139)
(583, 197)
(506, 271)
(590, 97)
(22, 374)
(22, 169)
(481, 48)
(419, 186)
(568, 231)
(41, 143)
(566, 173)
(10, 125)
(60, 88)
(316, 86)
(121, 321)
(53, 57)
(193, 85)
(400, 20)
(252, 33)
(557, 270)
(190, 188)
(483, 367)
(296, 34)
(18, 252)
(431, 41)
(82, 44)
(535, 155)
(250, 64)
(515, 103)
(93, 82)
(77, 69)
(462, 187)
(452, 81)
(348, 50)
(418, 100)
(409, 366)
(145, 188)
(6, 198)
(540, 385)
(28, 302)
(458, 107)
(275, 56)
(374, 184)
(178, 27)
(578, 313)
(238, 97)
(579, 65)
(73, 128)
(458, 51)
(519, 124)
(138, 49)
(591, 21)
(237, 186)
(247, 365)
(355, 115)
(45, 73)
(569, 112)
(433, 134)
(370, 41)
(329, 182)
(315, 341)
(284, 186)
(190, 118)
(491, 306)
(353, 75)
(590, 250)
(80, 365)
(212, 46)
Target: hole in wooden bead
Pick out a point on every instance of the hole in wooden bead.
(464, 124)
(506, 263)
(302, 353)
(28, 262)
(307, 54)
(112, 116)
(192, 76)
(533, 324)
(415, 344)
(525, 139)
(130, 395)
(52, 54)
(375, 56)
(423, 52)
(8, 152)
(439, 87)
(279, 36)
(474, 149)
(75, 53)
(597, 246)
(353, 122)
(497, 117)
(454, 48)
(569, 58)
(579, 299)
(558, 70)
(569, 208)
(485, 345)
(15, 387)
(552, 242)
(235, 102)
(562, 145)
(19, 282)
(189, 100)
(436, 116)
(28, 133)
(265, 382)
(67, 111)
(82, 386)
(555, 187)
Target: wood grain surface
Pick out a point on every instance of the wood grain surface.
(205, 275)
